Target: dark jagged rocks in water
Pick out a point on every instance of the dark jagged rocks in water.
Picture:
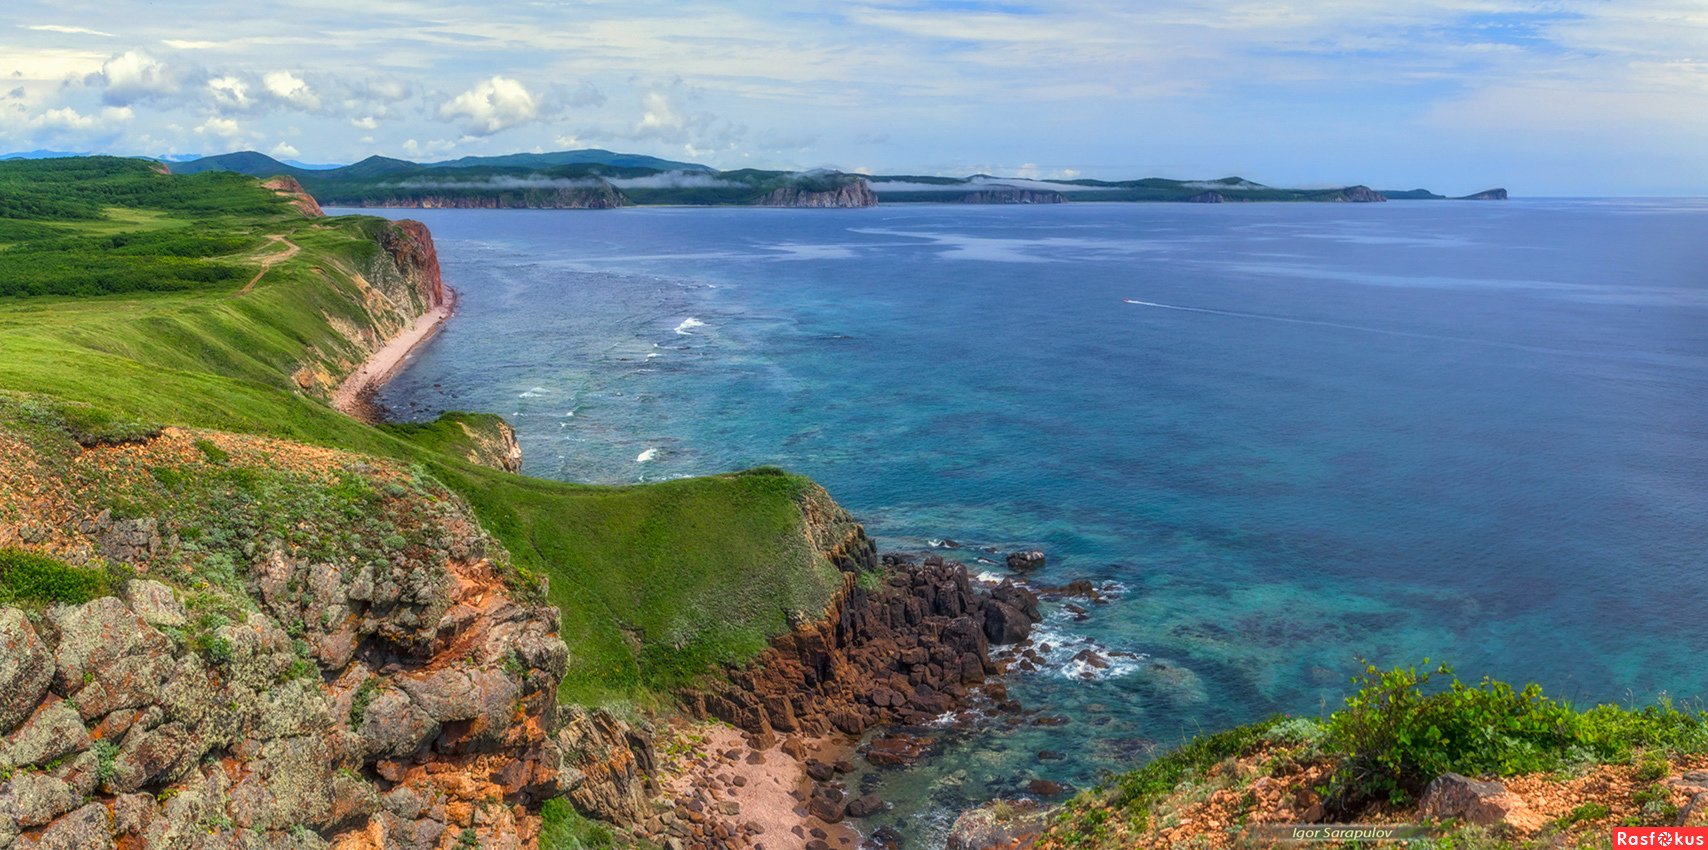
(901, 652)
(1026, 561)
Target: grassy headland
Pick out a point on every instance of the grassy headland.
(131, 296)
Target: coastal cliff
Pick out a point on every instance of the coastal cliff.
(852, 193)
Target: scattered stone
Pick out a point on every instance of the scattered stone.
(1045, 788)
(1026, 561)
(865, 805)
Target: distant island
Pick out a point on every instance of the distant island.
(601, 179)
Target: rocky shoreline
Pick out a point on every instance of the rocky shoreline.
(767, 750)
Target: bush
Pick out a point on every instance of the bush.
(28, 578)
(1395, 735)
(1398, 732)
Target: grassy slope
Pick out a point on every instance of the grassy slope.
(1369, 761)
(656, 582)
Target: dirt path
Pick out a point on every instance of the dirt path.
(268, 262)
(355, 396)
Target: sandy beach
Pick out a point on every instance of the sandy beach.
(355, 395)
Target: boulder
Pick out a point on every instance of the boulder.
(865, 806)
(88, 828)
(1026, 561)
(1452, 796)
(826, 809)
(55, 730)
(155, 603)
(26, 668)
(1005, 624)
(107, 657)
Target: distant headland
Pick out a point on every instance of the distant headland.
(601, 179)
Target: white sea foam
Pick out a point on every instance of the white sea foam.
(646, 456)
(534, 392)
(988, 577)
(1065, 644)
(689, 324)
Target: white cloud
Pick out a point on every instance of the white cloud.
(134, 76)
(366, 122)
(231, 92)
(66, 118)
(291, 89)
(285, 150)
(60, 28)
(220, 127)
(492, 105)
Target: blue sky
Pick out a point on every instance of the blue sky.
(1566, 97)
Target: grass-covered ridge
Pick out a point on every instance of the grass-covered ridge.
(658, 584)
(1369, 762)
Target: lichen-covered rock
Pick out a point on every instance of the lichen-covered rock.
(156, 604)
(393, 691)
(106, 657)
(32, 799)
(55, 730)
(26, 668)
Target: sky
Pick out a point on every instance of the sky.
(1565, 97)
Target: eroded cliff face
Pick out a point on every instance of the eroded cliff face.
(394, 285)
(314, 649)
(409, 245)
(855, 193)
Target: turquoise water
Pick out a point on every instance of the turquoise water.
(1469, 431)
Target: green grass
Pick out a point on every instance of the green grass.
(563, 828)
(659, 584)
(35, 580)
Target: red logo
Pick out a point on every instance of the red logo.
(1660, 836)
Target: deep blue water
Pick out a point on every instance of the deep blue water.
(1475, 432)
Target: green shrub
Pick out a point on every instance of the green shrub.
(363, 698)
(1397, 733)
(30, 579)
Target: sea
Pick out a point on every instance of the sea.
(1289, 439)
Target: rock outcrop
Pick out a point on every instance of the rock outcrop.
(1487, 195)
(901, 649)
(410, 247)
(286, 186)
(1002, 825)
(1359, 195)
(854, 193)
(333, 691)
